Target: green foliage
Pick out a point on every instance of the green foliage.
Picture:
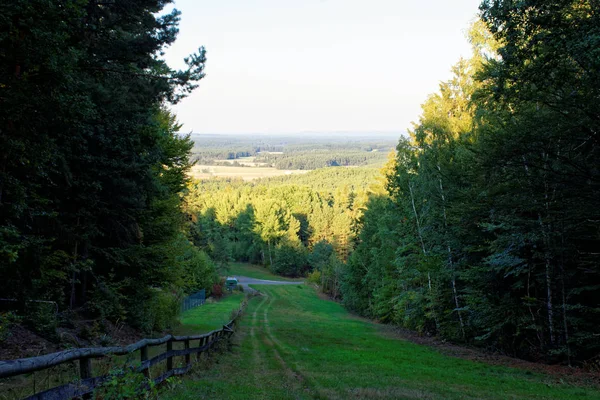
(290, 227)
(7, 320)
(125, 384)
(92, 167)
(320, 254)
(289, 260)
(314, 277)
(159, 310)
(41, 318)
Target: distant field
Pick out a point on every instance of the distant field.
(246, 161)
(246, 173)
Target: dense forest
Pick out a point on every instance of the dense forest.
(322, 159)
(92, 166)
(485, 228)
(292, 223)
(489, 229)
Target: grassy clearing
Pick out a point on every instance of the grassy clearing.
(246, 173)
(256, 272)
(209, 316)
(294, 345)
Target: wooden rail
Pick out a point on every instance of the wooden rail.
(85, 386)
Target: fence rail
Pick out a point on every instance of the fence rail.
(86, 384)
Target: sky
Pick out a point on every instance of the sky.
(294, 66)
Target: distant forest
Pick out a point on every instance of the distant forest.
(292, 152)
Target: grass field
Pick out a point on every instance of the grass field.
(246, 161)
(292, 344)
(256, 272)
(246, 173)
(209, 316)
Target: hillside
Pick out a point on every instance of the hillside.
(294, 345)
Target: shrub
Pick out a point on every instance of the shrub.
(7, 319)
(217, 290)
(289, 260)
(155, 310)
(124, 384)
(42, 319)
(314, 277)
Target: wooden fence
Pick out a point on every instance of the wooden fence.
(87, 383)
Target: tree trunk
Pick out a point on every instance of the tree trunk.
(450, 262)
(412, 199)
(547, 258)
(270, 255)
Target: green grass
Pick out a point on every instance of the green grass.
(255, 271)
(209, 316)
(293, 345)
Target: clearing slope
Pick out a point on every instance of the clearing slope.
(295, 345)
(257, 272)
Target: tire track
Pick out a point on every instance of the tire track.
(297, 380)
(258, 361)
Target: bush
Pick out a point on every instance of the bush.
(289, 260)
(314, 277)
(42, 319)
(217, 291)
(107, 300)
(7, 319)
(123, 384)
(200, 271)
(155, 310)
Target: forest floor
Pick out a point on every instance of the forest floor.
(293, 344)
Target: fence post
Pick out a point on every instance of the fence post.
(170, 358)
(144, 357)
(200, 344)
(188, 357)
(85, 372)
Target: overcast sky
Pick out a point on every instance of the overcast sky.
(287, 66)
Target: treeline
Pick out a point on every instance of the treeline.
(321, 159)
(92, 167)
(291, 152)
(489, 230)
(326, 180)
(295, 225)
